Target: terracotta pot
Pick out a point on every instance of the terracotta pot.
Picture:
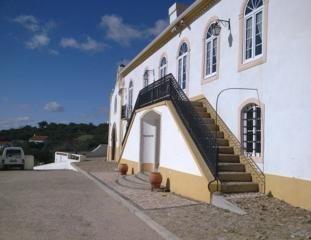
(123, 168)
(155, 179)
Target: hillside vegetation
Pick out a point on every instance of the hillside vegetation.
(70, 137)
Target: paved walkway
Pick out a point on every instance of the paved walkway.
(62, 205)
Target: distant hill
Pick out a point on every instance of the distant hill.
(70, 137)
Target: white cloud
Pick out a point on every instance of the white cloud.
(124, 34)
(89, 45)
(15, 122)
(69, 42)
(158, 27)
(53, 52)
(118, 31)
(28, 21)
(38, 41)
(53, 107)
(40, 31)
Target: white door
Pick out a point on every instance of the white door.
(148, 147)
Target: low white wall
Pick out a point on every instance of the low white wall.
(62, 162)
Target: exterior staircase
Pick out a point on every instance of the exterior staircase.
(231, 172)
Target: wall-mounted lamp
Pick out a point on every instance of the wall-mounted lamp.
(216, 28)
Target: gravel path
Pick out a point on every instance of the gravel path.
(266, 218)
(62, 205)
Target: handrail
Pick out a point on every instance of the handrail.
(167, 88)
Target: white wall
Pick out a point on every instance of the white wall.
(174, 152)
(283, 81)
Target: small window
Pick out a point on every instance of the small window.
(182, 65)
(146, 78)
(253, 29)
(211, 43)
(251, 130)
(130, 100)
(115, 104)
(163, 67)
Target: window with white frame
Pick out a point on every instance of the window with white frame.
(130, 99)
(115, 104)
(163, 67)
(253, 29)
(251, 130)
(182, 65)
(146, 78)
(210, 53)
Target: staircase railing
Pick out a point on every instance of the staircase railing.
(167, 88)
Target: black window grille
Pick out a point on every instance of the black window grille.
(251, 130)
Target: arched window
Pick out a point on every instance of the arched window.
(146, 78)
(210, 53)
(163, 67)
(115, 104)
(253, 29)
(130, 99)
(182, 65)
(251, 130)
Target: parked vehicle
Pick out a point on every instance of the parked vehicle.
(13, 157)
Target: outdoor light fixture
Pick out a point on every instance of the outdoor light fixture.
(216, 28)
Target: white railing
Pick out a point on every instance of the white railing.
(62, 161)
(63, 157)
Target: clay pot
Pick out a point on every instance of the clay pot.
(155, 179)
(123, 168)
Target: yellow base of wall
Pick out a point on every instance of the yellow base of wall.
(187, 185)
(294, 191)
(184, 184)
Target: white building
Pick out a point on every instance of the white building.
(262, 134)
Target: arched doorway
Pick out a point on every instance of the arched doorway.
(113, 142)
(150, 142)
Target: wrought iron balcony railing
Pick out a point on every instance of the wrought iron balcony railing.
(167, 88)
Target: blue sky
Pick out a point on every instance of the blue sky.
(58, 59)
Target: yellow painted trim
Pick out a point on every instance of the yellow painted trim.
(187, 185)
(294, 191)
(147, 167)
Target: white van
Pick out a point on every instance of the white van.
(13, 157)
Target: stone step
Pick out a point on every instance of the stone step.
(204, 114)
(197, 104)
(208, 120)
(225, 149)
(212, 127)
(143, 177)
(239, 187)
(222, 142)
(231, 167)
(235, 177)
(218, 134)
(123, 181)
(228, 158)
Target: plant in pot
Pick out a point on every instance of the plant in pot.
(123, 168)
(155, 179)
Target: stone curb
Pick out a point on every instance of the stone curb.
(162, 231)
